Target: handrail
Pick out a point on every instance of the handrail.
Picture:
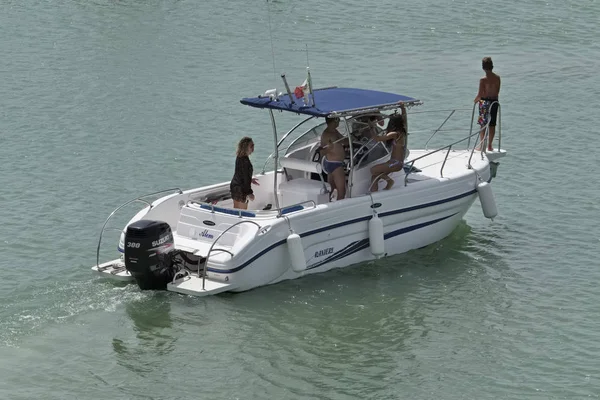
(499, 119)
(123, 205)
(265, 164)
(108, 266)
(412, 162)
(481, 143)
(373, 181)
(213, 244)
(439, 127)
(185, 271)
(373, 109)
(471, 126)
(487, 130)
(444, 163)
(438, 111)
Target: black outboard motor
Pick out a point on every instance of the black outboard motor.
(148, 248)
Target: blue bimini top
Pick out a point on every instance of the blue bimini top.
(333, 102)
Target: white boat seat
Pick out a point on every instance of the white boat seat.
(302, 190)
(300, 165)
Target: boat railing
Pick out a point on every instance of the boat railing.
(439, 128)
(211, 249)
(487, 125)
(140, 199)
(451, 113)
(376, 179)
(448, 148)
(478, 144)
(184, 272)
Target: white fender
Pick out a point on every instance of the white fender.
(296, 250)
(486, 197)
(376, 239)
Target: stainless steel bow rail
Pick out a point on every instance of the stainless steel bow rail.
(483, 142)
(140, 199)
(448, 148)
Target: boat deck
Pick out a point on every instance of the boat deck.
(455, 164)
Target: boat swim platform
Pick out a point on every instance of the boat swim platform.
(192, 285)
(114, 270)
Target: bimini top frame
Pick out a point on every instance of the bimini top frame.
(332, 102)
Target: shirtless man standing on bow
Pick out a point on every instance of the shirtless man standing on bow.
(333, 159)
(487, 97)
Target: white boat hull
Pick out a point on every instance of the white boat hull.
(253, 251)
(347, 243)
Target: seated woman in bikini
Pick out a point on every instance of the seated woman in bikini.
(396, 131)
(332, 142)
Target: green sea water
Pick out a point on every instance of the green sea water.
(105, 100)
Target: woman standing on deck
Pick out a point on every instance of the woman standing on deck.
(240, 187)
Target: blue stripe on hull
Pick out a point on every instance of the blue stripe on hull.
(346, 251)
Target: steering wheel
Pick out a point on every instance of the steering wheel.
(366, 145)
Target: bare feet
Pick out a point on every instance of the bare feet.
(390, 183)
(490, 148)
(374, 186)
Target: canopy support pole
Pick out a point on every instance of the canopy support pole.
(351, 174)
(275, 159)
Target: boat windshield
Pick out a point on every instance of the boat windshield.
(362, 130)
(307, 139)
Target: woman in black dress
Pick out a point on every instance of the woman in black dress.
(241, 191)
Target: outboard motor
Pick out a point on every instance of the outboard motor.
(148, 248)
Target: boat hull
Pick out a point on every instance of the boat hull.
(243, 251)
(344, 245)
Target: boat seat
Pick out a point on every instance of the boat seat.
(302, 190)
(300, 165)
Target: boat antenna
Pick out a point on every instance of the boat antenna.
(309, 79)
(307, 63)
(272, 48)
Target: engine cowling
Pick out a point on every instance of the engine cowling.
(148, 253)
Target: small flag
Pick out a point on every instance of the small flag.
(302, 90)
(298, 92)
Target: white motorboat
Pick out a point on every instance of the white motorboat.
(194, 241)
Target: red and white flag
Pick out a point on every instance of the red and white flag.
(302, 90)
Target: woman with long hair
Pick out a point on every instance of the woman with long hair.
(240, 187)
(397, 130)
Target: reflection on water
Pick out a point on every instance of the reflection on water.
(365, 325)
(153, 333)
